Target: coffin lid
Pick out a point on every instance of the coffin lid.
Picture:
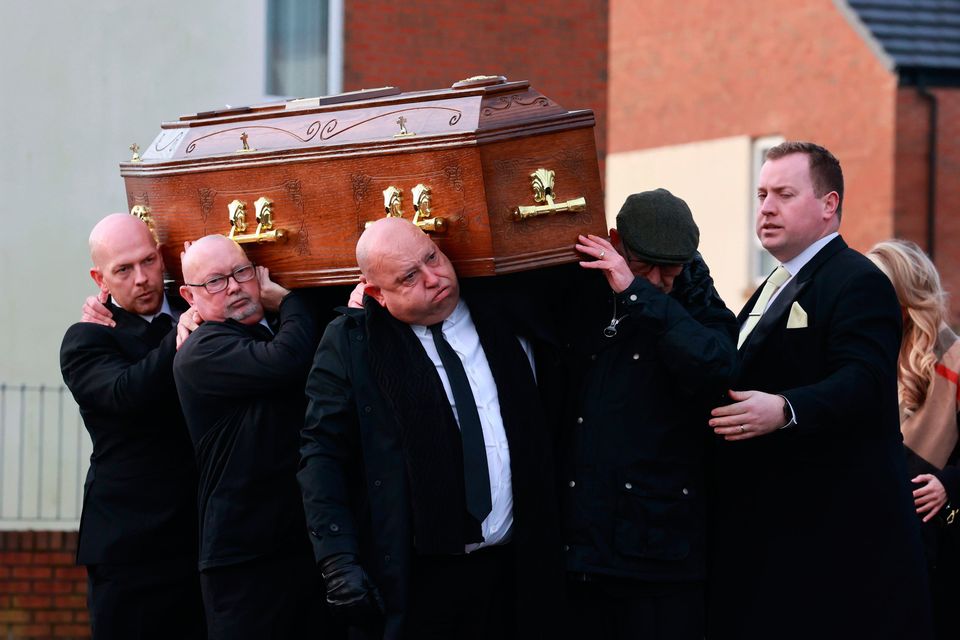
(470, 111)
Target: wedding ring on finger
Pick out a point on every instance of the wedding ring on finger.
(742, 430)
(603, 252)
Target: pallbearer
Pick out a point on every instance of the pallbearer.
(138, 527)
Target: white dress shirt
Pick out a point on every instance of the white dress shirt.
(793, 267)
(460, 332)
(164, 308)
(800, 261)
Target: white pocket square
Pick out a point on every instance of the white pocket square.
(798, 317)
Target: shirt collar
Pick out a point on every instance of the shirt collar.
(459, 313)
(164, 308)
(794, 265)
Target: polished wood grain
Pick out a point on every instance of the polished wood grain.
(325, 166)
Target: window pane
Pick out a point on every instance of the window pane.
(297, 47)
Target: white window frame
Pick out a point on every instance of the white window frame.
(335, 27)
(335, 47)
(761, 262)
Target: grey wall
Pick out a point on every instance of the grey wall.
(79, 82)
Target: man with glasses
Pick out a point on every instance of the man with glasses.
(241, 387)
(653, 349)
(138, 527)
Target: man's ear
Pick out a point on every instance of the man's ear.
(614, 238)
(830, 203)
(187, 294)
(374, 292)
(97, 276)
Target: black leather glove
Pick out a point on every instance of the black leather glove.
(694, 284)
(350, 592)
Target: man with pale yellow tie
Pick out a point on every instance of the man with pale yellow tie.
(814, 534)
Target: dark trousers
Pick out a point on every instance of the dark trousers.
(943, 584)
(621, 609)
(468, 597)
(149, 601)
(277, 597)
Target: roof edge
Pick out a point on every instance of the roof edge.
(928, 78)
(853, 19)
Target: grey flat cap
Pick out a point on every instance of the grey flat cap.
(657, 227)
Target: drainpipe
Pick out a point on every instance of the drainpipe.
(931, 99)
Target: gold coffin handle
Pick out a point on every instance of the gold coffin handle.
(142, 212)
(422, 213)
(393, 208)
(264, 232)
(542, 182)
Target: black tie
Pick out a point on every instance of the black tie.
(159, 327)
(476, 477)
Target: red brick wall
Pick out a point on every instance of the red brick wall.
(560, 46)
(911, 203)
(42, 592)
(699, 70)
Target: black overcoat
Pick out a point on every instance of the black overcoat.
(356, 495)
(242, 394)
(816, 535)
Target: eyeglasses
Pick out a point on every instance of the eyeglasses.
(644, 267)
(216, 284)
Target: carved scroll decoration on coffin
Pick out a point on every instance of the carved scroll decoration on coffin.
(505, 102)
(455, 175)
(360, 185)
(330, 129)
(206, 205)
(303, 236)
(142, 198)
(173, 141)
(327, 131)
(311, 133)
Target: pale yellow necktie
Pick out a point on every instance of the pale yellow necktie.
(774, 282)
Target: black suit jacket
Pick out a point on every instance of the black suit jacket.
(357, 493)
(140, 493)
(816, 535)
(242, 394)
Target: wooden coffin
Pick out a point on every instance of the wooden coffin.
(472, 165)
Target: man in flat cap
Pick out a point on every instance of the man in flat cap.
(655, 350)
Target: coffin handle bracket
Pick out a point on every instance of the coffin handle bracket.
(142, 212)
(422, 214)
(542, 181)
(264, 213)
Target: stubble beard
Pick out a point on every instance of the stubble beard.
(249, 309)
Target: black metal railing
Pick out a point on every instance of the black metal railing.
(44, 455)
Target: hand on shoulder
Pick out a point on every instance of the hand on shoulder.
(95, 310)
(271, 293)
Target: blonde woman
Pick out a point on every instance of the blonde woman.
(927, 381)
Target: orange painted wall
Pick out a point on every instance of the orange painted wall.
(699, 70)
